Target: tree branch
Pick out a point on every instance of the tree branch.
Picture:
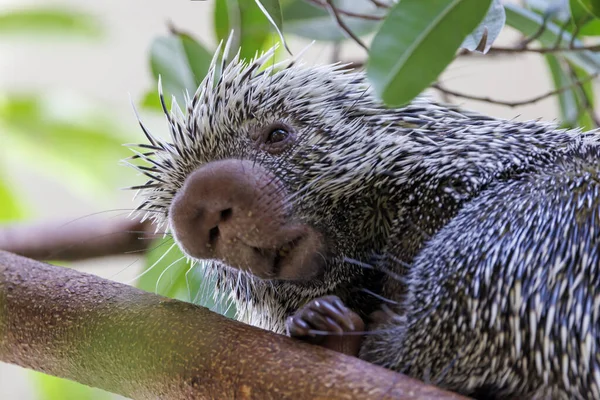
(76, 240)
(543, 50)
(326, 4)
(333, 10)
(519, 103)
(121, 339)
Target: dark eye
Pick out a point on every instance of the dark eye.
(277, 135)
(274, 138)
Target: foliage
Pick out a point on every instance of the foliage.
(433, 26)
(413, 41)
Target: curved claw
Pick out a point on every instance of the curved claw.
(329, 316)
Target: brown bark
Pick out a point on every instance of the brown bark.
(76, 240)
(108, 335)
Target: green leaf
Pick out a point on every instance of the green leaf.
(308, 21)
(585, 98)
(181, 62)
(221, 20)
(46, 20)
(486, 33)
(416, 42)
(250, 26)
(272, 10)
(577, 102)
(566, 99)
(580, 16)
(592, 28)
(592, 7)
(528, 22)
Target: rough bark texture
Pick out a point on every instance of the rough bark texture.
(76, 240)
(112, 336)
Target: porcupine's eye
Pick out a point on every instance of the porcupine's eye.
(277, 135)
(274, 138)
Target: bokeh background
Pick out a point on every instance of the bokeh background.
(65, 109)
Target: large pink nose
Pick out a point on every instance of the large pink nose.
(235, 211)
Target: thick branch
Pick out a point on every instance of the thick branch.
(118, 338)
(76, 240)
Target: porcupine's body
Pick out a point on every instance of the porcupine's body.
(485, 231)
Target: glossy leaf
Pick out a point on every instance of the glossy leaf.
(579, 14)
(416, 42)
(47, 20)
(592, 28)
(181, 62)
(486, 33)
(306, 20)
(590, 6)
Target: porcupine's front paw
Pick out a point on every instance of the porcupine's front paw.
(326, 321)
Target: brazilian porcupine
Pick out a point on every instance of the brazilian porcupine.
(481, 235)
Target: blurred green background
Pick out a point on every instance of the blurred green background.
(68, 70)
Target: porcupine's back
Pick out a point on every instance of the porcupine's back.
(504, 300)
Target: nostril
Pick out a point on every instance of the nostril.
(226, 214)
(213, 234)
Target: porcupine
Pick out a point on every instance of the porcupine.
(313, 203)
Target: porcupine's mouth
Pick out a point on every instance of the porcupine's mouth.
(298, 259)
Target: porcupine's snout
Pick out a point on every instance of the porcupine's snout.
(237, 212)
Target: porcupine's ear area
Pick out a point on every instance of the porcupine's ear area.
(232, 93)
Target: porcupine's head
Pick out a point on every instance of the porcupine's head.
(263, 172)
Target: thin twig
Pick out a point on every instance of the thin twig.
(380, 4)
(543, 50)
(532, 100)
(574, 36)
(563, 29)
(537, 34)
(326, 5)
(335, 13)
